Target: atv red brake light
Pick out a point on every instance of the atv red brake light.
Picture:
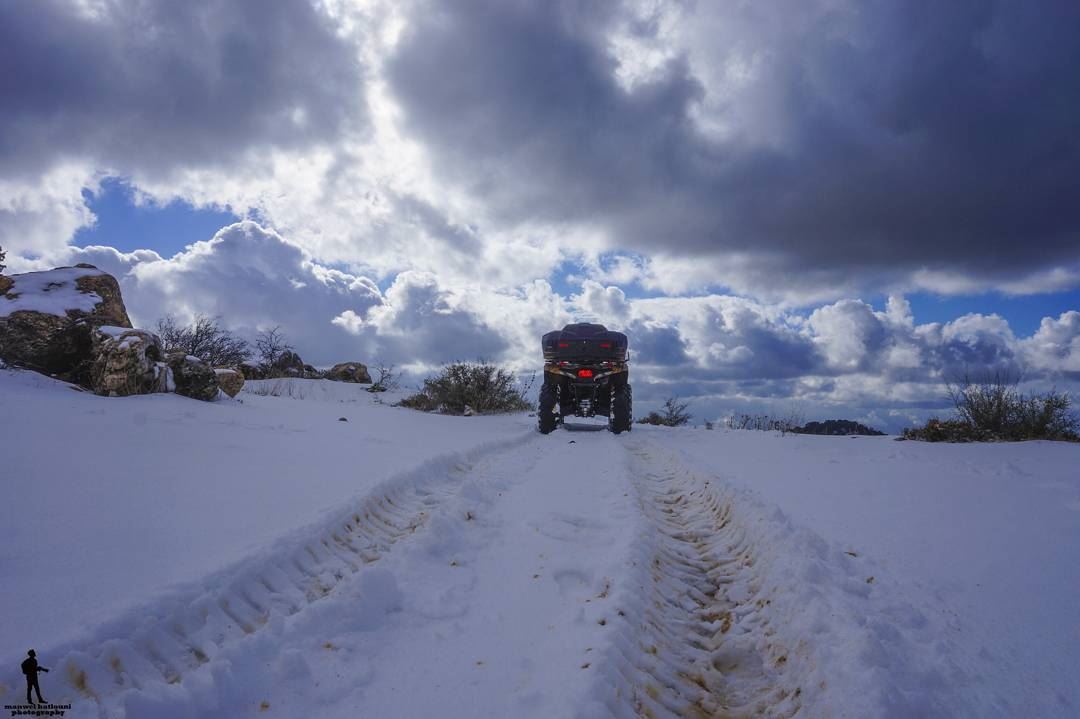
(605, 345)
(584, 373)
(564, 345)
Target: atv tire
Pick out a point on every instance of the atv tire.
(549, 398)
(621, 409)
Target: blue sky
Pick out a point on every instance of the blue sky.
(1024, 312)
(428, 183)
(127, 226)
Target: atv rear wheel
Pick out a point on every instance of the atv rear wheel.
(549, 397)
(621, 409)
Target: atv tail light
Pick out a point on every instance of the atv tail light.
(564, 345)
(605, 345)
(584, 373)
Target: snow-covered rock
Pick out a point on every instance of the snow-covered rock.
(126, 362)
(47, 318)
(252, 370)
(193, 377)
(349, 372)
(230, 381)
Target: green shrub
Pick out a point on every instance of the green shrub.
(480, 386)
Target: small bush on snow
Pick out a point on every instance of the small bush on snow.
(481, 386)
(387, 378)
(993, 410)
(673, 414)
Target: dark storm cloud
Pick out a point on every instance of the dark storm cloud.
(659, 346)
(903, 135)
(150, 85)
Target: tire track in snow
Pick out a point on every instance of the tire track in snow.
(177, 635)
(699, 641)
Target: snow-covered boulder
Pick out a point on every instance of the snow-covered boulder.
(349, 372)
(192, 377)
(230, 381)
(126, 362)
(47, 318)
(252, 370)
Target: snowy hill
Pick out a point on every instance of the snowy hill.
(260, 557)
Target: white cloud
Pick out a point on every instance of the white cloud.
(605, 303)
(847, 333)
(39, 218)
(1055, 347)
(251, 277)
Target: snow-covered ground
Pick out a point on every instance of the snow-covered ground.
(260, 558)
(107, 503)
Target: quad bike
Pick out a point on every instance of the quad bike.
(585, 374)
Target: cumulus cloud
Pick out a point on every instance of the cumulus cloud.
(39, 219)
(810, 141)
(253, 279)
(724, 352)
(795, 154)
(420, 323)
(847, 334)
(719, 337)
(603, 302)
(144, 87)
(1055, 347)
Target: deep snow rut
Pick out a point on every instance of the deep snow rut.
(185, 632)
(700, 642)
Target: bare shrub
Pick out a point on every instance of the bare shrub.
(992, 409)
(387, 378)
(271, 345)
(481, 386)
(672, 414)
(204, 338)
(764, 422)
(2, 256)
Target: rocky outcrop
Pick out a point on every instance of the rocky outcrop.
(126, 362)
(349, 372)
(288, 364)
(47, 319)
(192, 377)
(230, 381)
